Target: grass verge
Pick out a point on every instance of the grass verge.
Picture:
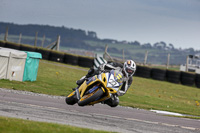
(13, 125)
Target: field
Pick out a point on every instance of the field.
(58, 79)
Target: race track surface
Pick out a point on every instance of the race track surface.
(40, 107)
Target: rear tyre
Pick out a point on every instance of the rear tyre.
(85, 100)
(71, 99)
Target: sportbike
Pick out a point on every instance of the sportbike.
(96, 89)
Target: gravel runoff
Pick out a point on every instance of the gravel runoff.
(74, 118)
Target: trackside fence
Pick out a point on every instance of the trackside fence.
(178, 77)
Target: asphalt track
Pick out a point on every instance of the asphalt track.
(40, 107)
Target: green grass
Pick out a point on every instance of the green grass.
(190, 117)
(58, 79)
(153, 94)
(13, 125)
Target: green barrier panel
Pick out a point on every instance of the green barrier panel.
(31, 66)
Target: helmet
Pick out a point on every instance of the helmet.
(129, 68)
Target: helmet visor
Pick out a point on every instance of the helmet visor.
(129, 71)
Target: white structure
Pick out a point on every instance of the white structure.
(192, 64)
(12, 64)
(4, 57)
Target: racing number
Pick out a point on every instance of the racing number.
(113, 82)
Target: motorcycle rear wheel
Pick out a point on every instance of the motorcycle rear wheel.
(71, 99)
(85, 100)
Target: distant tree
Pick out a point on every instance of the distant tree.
(146, 45)
(136, 43)
(92, 34)
(160, 45)
(190, 50)
(171, 46)
(163, 44)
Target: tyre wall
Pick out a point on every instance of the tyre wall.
(187, 78)
(45, 53)
(12, 45)
(173, 76)
(71, 59)
(2, 44)
(56, 56)
(197, 80)
(142, 71)
(158, 74)
(27, 48)
(85, 62)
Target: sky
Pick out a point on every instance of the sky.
(147, 21)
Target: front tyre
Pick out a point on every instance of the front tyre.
(71, 98)
(86, 99)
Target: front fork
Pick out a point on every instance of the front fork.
(77, 94)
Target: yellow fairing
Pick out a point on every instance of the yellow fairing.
(111, 90)
(82, 88)
(71, 94)
(102, 81)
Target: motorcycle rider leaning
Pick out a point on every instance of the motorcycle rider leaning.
(128, 69)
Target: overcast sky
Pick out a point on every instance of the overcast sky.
(147, 21)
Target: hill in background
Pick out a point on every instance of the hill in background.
(78, 39)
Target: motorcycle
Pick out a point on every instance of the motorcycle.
(96, 89)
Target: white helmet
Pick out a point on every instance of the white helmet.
(129, 68)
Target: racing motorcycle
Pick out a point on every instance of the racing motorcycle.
(96, 89)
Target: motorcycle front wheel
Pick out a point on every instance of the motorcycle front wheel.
(86, 99)
(71, 98)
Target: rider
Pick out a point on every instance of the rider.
(128, 69)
